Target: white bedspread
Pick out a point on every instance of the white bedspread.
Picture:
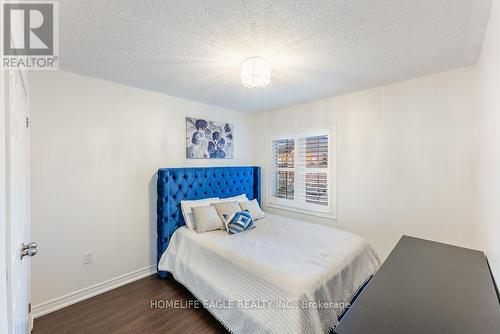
(284, 276)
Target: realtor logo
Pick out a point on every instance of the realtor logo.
(30, 35)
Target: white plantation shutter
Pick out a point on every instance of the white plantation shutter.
(282, 167)
(299, 171)
(312, 170)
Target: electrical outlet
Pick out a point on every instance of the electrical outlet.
(88, 257)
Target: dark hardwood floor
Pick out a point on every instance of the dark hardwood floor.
(127, 309)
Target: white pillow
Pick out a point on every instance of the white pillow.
(206, 219)
(239, 198)
(254, 209)
(187, 205)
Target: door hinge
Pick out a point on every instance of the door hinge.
(29, 307)
(27, 122)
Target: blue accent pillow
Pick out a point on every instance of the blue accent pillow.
(238, 222)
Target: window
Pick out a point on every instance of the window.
(299, 172)
(283, 174)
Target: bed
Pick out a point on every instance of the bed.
(272, 279)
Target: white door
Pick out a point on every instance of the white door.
(18, 248)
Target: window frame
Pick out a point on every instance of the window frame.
(296, 205)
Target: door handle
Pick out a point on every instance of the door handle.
(29, 249)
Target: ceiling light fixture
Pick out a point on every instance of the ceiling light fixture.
(255, 72)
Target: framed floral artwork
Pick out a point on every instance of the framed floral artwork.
(208, 139)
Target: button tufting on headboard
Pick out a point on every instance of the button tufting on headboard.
(177, 184)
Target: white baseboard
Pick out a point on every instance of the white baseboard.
(74, 297)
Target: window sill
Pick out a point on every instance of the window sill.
(303, 211)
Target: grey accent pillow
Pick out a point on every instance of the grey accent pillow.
(254, 209)
(206, 219)
(226, 208)
(186, 207)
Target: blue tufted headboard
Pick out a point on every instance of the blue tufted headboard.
(177, 184)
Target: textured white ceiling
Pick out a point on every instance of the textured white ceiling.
(193, 49)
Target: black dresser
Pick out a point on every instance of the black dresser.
(427, 287)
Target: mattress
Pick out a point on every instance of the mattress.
(284, 276)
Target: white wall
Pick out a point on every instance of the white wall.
(95, 148)
(489, 88)
(407, 156)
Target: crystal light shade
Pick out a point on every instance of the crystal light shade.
(256, 72)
